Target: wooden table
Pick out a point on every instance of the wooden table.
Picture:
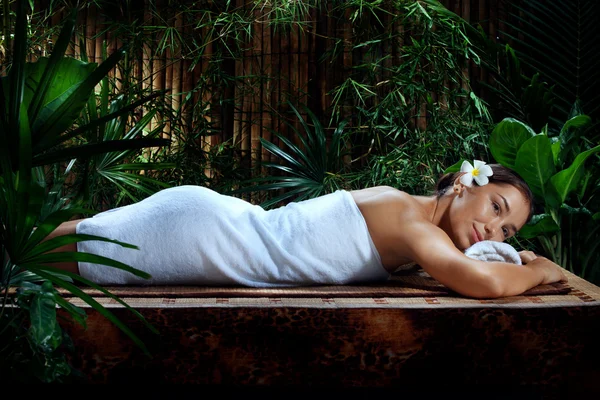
(293, 341)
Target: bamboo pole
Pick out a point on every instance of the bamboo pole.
(248, 90)
(124, 68)
(328, 65)
(466, 71)
(294, 39)
(168, 80)
(158, 66)
(347, 69)
(284, 82)
(100, 38)
(206, 94)
(256, 68)
(176, 77)
(485, 23)
(397, 50)
(187, 87)
(217, 91)
(90, 30)
(303, 60)
(317, 71)
(147, 76)
(238, 100)
(266, 98)
(276, 55)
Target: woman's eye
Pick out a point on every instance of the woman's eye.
(505, 232)
(496, 207)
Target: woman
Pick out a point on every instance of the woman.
(192, 235)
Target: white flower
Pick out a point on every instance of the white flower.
(480, 173)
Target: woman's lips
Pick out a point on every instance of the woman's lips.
(476, 236)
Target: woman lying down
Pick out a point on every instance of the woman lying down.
(195, 236)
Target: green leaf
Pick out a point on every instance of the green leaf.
(44, 330)
(69, 73)
(568, 210)
(540, 224)
(506, 140)
(24, 184)
(63, 240)
(76, 312)
(535, 164)
(100, 122)
(59, 115)
(556, 151)
(565, 181)
(578, 121)
(51, 222)
(16, 74)
(88, 150)
(67, 256)
(454, 168)
(568, 138)
(47, 82)
(94, 304)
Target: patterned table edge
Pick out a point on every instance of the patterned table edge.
(348, 302)
(583, 293)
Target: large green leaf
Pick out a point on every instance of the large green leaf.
(507, 138)
(47, 80)
(565, 181)
(569, 136)
(98, 123)
(59, 115)
(44, 330)
(94, 304)
(540, 225)
(68, 75)
(535, 163)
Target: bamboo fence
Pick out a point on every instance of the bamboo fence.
(276, 65)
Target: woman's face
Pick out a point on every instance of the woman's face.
(490, 212)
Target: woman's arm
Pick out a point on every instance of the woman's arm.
(432, 249)
(513, 279)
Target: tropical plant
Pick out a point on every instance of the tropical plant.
(567, 228)
(107, 175)
(312, 168)
(392, 98)
(39, 103)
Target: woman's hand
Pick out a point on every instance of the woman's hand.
(527, 256)
(552, 272)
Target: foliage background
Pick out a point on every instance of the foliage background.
(408, 87)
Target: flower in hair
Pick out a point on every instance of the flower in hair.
(479, 173)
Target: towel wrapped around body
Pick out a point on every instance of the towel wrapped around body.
(194, 235)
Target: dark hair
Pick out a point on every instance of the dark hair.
(501, 175)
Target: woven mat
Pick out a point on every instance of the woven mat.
(408, 283)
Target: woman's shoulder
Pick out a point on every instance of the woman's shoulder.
(377, 192)
(390, 200)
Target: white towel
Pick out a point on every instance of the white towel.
(193, 235)
(488, 250)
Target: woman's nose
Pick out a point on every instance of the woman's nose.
(491, 228)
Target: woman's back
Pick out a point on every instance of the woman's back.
(385, 210)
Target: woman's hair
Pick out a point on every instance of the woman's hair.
(501, 175)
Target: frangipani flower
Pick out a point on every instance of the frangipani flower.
(479, 172)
